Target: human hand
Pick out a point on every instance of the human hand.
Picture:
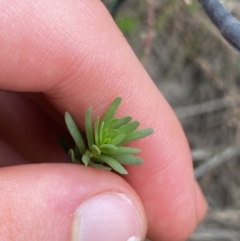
(72, 52)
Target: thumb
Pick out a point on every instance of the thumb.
(62, 202)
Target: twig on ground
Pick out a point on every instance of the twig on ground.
(205, 107)
(227, 218)
(215, 161)
(201, 155)
(228, 25)
(219, 225)
(215, 234)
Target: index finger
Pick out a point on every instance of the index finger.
(73, 52)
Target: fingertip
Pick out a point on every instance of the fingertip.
(68, 201)
(108, 216)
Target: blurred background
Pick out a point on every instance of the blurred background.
(199, 75)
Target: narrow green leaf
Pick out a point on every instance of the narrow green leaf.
(113, 150)
(105, 136)
(86, 158)
(72, 157)
(96, 125)
(106, 141)
(128, 159)
(95, 150)
(118, 139)
(108, 149)
(88, 126)
(77, 153)
(128, 128)
(75, 133)
(122, 121)
(109, 125)
(112, 109)
(113, 164)
(113, 133)
(127, 150)
(138, 134)
(100, 134)
(99, 166)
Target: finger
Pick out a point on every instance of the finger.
(86, 61)
(28, 130)
(61, 202)
(9, 156)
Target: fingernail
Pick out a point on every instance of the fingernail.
(107, 217)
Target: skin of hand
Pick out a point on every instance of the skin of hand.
(70, 55)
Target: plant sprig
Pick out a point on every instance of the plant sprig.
(105, 139)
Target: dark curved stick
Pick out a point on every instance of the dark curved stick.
(228, 25)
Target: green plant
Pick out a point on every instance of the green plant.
(105, 140)
(128, 25)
